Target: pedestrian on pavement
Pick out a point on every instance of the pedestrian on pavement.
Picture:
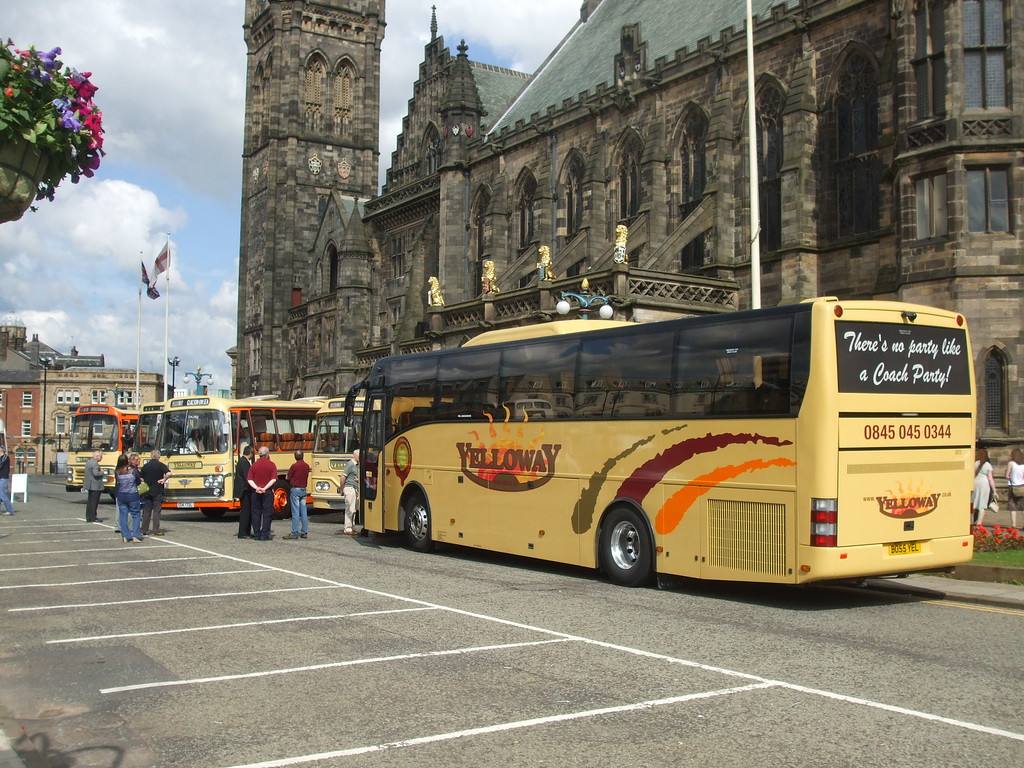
(262, 478)
(350, 489)
(244, 493)
(129, 504)
(297, 477)
(155, 474)
(93, 485)
(5, 482)
(984, 487)
(1015, 479)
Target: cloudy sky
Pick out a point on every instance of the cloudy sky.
(171, 79)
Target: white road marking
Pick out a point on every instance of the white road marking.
(167, 599)
(234, 626)
(121, 547)
(131, 578)
(500, 727)
(107, 562)
(328, 665)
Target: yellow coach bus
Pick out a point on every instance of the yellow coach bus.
(332, 449)
(98, 428)
(825, 440)
(201, 438)
(147, 429)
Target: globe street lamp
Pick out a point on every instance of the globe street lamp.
(45, 362)
(199, 376)
(585, 300)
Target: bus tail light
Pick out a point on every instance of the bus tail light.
(824, 523)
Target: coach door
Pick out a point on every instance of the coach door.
(371, 465)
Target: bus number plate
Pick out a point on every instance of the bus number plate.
(905, 548)
(192, 505)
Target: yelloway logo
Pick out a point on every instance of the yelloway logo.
(507, 464)
(908, 503)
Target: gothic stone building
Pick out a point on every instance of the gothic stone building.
(888, 148)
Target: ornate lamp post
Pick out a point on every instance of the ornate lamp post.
(199, 376)
(585, 300)
(174, 362)
(46, 362)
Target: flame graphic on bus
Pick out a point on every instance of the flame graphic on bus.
(909, 502)
(651, 472)
(507, 464)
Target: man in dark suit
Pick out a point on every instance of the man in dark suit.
(243, 492)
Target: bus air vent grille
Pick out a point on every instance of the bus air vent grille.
(747, 536)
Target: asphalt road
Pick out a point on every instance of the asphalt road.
(200, 649)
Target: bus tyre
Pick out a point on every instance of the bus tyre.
(212, 513)
(627, 554)
(417, 524)
(282, 502)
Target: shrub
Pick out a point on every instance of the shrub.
(996, 539)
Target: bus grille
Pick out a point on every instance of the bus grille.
(747, 536)
(192, 494)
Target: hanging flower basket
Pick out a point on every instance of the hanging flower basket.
(49, 127)
(22, 168)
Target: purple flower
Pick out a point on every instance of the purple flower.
(49, 59)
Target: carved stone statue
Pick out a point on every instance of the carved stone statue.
(434, 297)
(621, 233)
(544, 267)
(490, 282)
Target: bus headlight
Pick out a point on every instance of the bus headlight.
(322, 486)
(71, 475)
(213, 481)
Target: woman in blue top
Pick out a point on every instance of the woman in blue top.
(126, 481)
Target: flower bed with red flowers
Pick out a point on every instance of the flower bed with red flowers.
(996, 538)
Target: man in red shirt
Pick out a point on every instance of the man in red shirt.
(262, 477)
(298, 475)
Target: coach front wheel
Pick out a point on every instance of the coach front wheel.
(627, 553)
(417, 524)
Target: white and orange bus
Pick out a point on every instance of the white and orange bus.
(98, 427)
(826, 440)
(332, 450)
(201, 438)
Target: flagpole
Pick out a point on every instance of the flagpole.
(138, 341)
(167, 312)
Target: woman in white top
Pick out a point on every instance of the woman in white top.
(984, 486)
(1015, 479)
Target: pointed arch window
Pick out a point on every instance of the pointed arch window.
(692, 178)
(995, 391)
(984, 54)
(769, 166)
(313, 91)
(483, 203)
(929, 60)
(332, 262)
(431, 151)
(856, 163)
(629, 179)
(258, 106)
(525, 212)
(344, 84)
(573, 197)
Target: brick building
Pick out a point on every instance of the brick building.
(888, 145)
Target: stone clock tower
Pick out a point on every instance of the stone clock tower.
(312, 110)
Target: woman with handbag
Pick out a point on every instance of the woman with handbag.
(129, 503)
(984, 487)
(1015, 479)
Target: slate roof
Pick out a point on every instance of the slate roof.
(584, 59)
(497, 87)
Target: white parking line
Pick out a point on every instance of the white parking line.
(501, 727)
(107, 562)
(121, 547)
(131, 578)
(177, 597)
(235, 626)
(328, 665)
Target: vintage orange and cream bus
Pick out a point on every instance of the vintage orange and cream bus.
(201, 438)
(98, 427)
(825, 440)
(332, 449)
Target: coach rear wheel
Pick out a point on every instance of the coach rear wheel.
(417, 524)
(627, 554)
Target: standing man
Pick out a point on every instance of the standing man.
(243, 492)
(155, 473)
(298, 476)
(350, 489)
(262, 476)
(5, 482)
(93, 485)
